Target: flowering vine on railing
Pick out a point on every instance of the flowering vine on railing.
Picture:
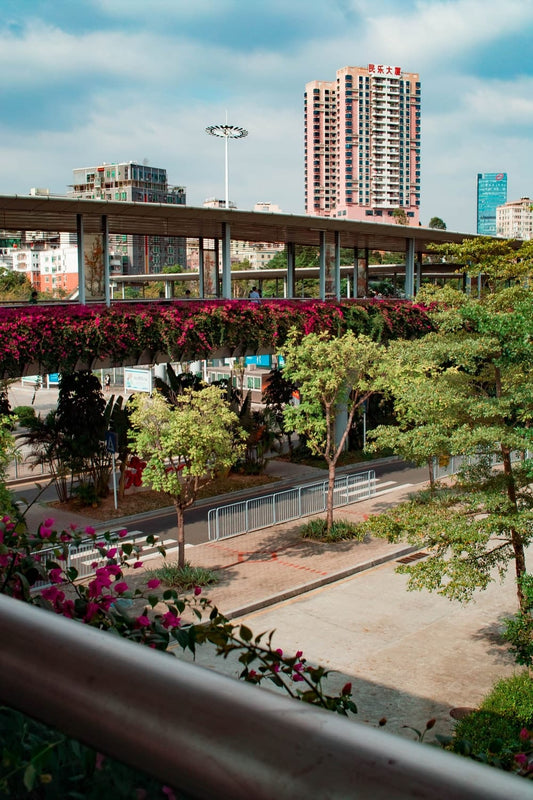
(54, 338)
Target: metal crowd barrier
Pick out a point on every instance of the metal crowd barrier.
(300, 501)
(451, 465)
(210, 736)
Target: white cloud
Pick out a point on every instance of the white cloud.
(149, 92)
(440, 31)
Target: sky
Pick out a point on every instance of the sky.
(91, 81)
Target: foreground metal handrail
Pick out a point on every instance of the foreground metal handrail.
(211, 736)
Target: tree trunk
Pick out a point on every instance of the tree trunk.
(516, 538)
(329, 503)
(431, 469)
(181, 535)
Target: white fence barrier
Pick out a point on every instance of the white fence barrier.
(300, 501)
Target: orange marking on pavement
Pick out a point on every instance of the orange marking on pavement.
(301, 566)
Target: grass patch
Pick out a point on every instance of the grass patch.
(183, 578)
(341, 530)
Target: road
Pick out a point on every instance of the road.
(163, 524)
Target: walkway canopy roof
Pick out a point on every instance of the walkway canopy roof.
(48, 213)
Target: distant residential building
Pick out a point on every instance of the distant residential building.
(514, 220)
(257, 253)
(362, 144)
(134, 183)
(491, 193)
(213, 202)
(267, 208)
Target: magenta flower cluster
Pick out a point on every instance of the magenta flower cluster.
(53, 338)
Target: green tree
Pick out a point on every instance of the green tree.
(14, 285)
(184, 445)
(400, 216)
(331, 374)
(466, 390)
(7, 451)
(499, 262)
(437, 223)
(277, 394)
(81, 417)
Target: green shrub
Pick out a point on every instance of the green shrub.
(341, 530)
(183, 578)
(492, 733)
(512, 697)
(25, 415)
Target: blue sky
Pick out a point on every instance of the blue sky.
(93, 81)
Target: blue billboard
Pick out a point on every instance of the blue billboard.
(491, 193)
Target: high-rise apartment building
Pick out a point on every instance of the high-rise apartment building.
(514, 220)
(491, 193)
(139, 183)
(362, 145)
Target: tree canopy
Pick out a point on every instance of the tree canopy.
(331, 374)
(184, 445)
(467, 389)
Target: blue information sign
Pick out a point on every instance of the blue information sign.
(111, 441)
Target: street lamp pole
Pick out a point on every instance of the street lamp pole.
(226, 132)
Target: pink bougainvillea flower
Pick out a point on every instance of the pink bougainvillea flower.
(525, 735)
(171, 620)
(279, 652)
(45, 533)
(89, 530)
(112, 552)
(346, 689)
(121, 587)
(299, 653)
(137, 565)
(153, 583)
(48, 523)
(197, 590)
(55, 575)
(143, 621)
(123, 533)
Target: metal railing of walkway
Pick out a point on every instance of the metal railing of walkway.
(299, 501)
(208, 735)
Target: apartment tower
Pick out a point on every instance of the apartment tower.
(362, 145)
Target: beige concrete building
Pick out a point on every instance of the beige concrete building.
(514, 220)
